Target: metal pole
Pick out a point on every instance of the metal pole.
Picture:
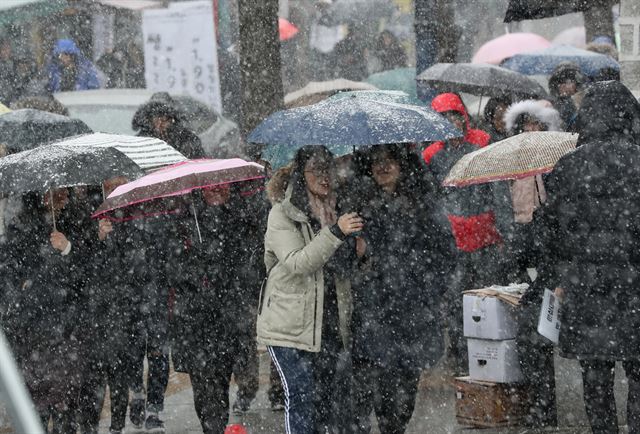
(18, 401)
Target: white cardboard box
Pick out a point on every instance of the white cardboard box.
(495, 361)
(489, 318)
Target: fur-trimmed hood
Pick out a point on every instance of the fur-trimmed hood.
(277, 185)
(534, 108)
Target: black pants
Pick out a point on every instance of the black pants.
(391, 392)
(117, 374)
(210, 384)
(598, 380)
(246, 366)
(152, 342)
(538, 368)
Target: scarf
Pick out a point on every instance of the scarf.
(323, 209)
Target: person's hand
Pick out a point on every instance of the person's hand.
(59, 241)
(361, 247)
(559, 293)
(350, 223)
(105, 227)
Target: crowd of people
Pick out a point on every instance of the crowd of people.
(351, 278)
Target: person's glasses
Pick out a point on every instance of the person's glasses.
(325, 172)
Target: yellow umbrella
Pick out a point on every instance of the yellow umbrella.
(517, 157)
(4, 109)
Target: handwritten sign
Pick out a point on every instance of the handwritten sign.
(180, 51)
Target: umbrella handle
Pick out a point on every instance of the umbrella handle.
(479, 105)
(53, 214)
(195, 216)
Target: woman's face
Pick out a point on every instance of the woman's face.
(533, 125)
(386, 171)
(217, 195)
(318, 175)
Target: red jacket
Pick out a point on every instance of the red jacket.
(468, 209)
(447, 102)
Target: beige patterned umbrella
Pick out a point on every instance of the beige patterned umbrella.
(520, 156)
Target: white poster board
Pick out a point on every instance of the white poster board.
(180, 51)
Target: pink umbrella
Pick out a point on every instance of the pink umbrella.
(286, 29)
(153, 194)
(502, 47)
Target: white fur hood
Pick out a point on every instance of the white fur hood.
(538, 109)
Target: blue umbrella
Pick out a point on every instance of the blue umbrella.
(543, 62)
(344, 124)
(396, 96)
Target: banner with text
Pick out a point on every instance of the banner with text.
(180, 51)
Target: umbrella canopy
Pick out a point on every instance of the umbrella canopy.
(13, 12)
(544, 61)
(517, 157)
(396, 96)
(403, 79)
(519, 10)
(27, 128)
(176, 180)
(480, 79)
(342, 124)
(62, 166)
(147, 152)
(575, 36)
(286, 29)
(316, 91)
(502, 47)
(349, 122)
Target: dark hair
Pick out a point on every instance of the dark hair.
(565, 71)
(412, 183)
(524, 118)
(492, 106)
(299, 194)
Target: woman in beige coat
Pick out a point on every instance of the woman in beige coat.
(304, 308)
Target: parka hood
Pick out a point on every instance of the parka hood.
(277, 185)
(450, 102)
(562, 72)
(534, 108)
(142, 119)
(66, 46)
(608, 109)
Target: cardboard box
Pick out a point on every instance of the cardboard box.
(484, 404)
(488, 317)
(495, 361)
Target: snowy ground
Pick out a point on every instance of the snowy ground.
(434, 411)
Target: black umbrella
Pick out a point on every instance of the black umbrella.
(520, 10)
(51, 166)
(480, 79)
(28, 128)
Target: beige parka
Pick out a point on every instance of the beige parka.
(291, 301)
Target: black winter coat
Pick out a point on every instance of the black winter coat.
(591, 229)
(397, 296)
(215, 280)
(42, 311)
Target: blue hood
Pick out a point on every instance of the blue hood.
(66, 46)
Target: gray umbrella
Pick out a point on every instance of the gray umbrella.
(50, 166)
(480, 79)
(28, 128)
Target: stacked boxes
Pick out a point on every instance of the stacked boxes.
(491, 396)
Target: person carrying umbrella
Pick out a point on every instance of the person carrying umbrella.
(470, 218)
(304, 309)
(41, 307)
(397, 293)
